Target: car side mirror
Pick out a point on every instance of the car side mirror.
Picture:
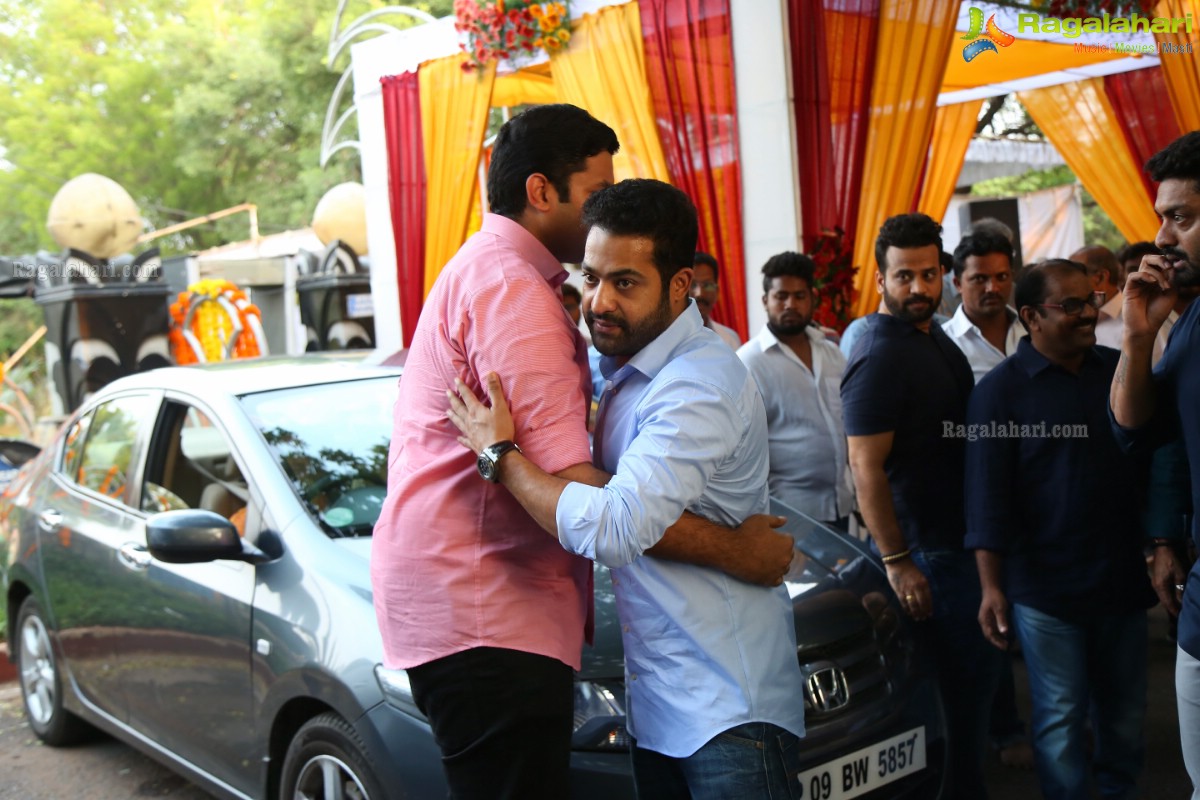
(194, 536)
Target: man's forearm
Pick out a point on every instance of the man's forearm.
(696, 540)
(537, 491)
(1132, 393)
(878, 510)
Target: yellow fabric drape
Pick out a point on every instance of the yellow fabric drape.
(603, 70)
(525, 87)
(454, 113)
(1081, 124)
(1182, 69)
(953, 127)
(1023, 59)
(914, 42)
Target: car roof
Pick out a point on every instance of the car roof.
(250, 375)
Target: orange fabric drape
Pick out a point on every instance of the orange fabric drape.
(603, 70)
(953, 127)
(1079, 121)
(1182, 70)
(454, 113)
(914, 44)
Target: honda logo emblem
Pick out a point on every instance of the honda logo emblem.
(825, 686)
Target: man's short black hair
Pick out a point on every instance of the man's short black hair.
(980, 243)
(656, 210)
(905, 231)
(1137, 250)
(789, 264)
(1031, 285)
(555, 140)
(704, 258)
(1179, 160)
(570, 291)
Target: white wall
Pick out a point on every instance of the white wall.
(770, 194)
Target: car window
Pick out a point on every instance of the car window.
(332, 442)
(73, 445)
(192, 466)
(109, 442)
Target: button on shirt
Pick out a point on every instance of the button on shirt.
(913, 384)
(805, 437)
(456, 563)
(681, 427)
(982, 354)
(1037, 488)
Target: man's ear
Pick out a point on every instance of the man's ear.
(879, 282)
(537, 191)
(1030, 316)
(957, 283)
(681, 284)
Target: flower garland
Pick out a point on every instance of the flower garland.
(497, 30)
(834, 280)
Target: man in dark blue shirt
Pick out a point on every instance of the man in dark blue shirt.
(906, 382)
(1040, 453)
(1150, 408)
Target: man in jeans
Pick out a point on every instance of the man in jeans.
(715, 691)
(1071, 567)
(904, 384)
(486, 614)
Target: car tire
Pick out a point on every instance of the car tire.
(327, 751)
(42, 681)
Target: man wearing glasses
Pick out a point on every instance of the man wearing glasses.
(1040, 451)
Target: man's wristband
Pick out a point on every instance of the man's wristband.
(1163, 542)
(892, 558)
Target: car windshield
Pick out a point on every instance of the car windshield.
(332, 442)
(826, 552)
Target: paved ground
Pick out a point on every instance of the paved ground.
(106, 770)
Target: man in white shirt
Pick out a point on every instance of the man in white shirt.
(984, 327)
(1106, 275)
(706, 290)
(799, 375)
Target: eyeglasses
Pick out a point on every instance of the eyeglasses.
(704, 286)
(1073, 306)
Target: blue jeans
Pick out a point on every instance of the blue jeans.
(1090, 666)
(753, 761)
(1187, 699)
(968, 667)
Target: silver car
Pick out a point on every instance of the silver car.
(186, 568)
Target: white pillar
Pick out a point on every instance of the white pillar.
(766, 134)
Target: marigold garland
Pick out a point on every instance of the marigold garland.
(497, 30)
(213, 305)
(834, 279)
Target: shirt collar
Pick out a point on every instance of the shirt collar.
(960, 323)
(528, 245)
(1034, 362)
(651, 359)
(769, 339)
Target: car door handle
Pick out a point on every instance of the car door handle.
(134, 556)
(50, 520)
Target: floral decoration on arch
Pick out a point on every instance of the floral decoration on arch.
(834, 279)
(498, 30)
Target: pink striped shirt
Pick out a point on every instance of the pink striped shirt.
(456, 563)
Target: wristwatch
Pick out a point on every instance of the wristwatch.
(489, 459)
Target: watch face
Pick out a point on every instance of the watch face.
(487, 467)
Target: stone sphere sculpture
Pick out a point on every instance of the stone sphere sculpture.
(342, 214)
(94, 214)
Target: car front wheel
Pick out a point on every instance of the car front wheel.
(327, 761)
(41, 681)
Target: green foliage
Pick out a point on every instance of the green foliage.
(192, 105)
(1097, 227)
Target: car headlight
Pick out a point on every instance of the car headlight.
(396, 689)
(599, 718)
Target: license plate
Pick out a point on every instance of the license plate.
(867, 769)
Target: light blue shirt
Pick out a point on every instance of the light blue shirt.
(681, 427)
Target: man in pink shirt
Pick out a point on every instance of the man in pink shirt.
(486, 612)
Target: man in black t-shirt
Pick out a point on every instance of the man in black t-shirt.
(904, 400)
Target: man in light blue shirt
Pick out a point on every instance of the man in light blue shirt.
(715, 689)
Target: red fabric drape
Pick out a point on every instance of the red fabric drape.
(689, 65)
(833, 61)
(406, 191)
(1147, 123)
